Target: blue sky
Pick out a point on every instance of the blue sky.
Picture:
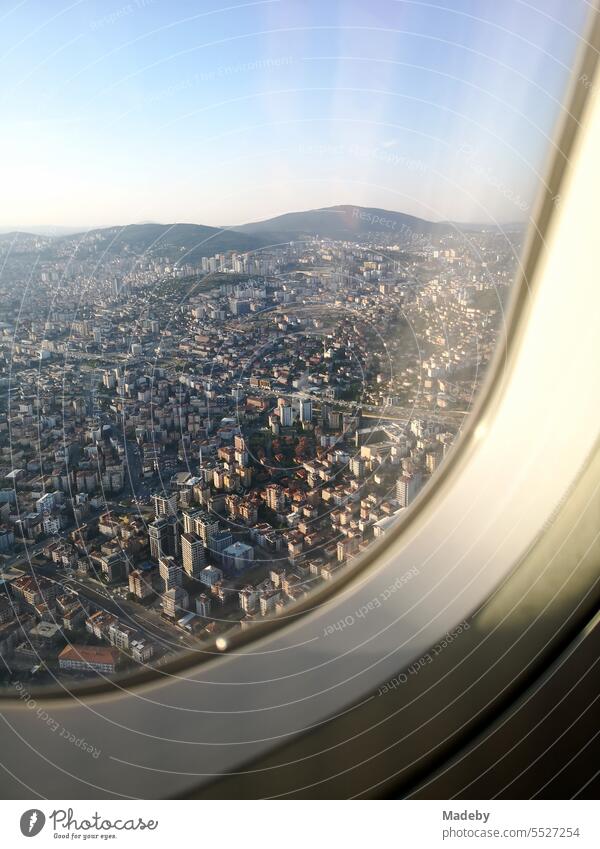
(221, 112)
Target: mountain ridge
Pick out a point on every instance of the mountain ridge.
(183, 241)
(177, 242)
(343, 221)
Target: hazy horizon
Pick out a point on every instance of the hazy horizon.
(40, 229)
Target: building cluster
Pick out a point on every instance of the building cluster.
(187, 449)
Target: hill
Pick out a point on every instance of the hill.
(177, 242)
(341, 222)
(190, 242)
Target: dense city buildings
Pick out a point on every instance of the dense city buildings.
(190, 445)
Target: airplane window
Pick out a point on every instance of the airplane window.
(256, 261)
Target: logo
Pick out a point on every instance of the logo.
(32, 822)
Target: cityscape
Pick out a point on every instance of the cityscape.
(199, 427)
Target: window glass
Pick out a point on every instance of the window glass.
(255, 262)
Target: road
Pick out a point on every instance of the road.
(148, 621)
(135, 485)
(369, 411)
(130, 613)
(454, 417)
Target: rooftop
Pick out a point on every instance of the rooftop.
(89, 654)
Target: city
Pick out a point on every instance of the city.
(192, 439)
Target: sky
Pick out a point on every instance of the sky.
(221, 112)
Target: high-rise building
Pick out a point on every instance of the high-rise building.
(241, 454)
(165, 505)
(189, 521)
(175, 602)
(170, 572)
(275, 497)
(45, 503)
(192, 552)
(406, 488)
(306, 410)
(238, 556)
(210, 575)
(249, 599)
(164, 537)
(285, 412)
(206, 526)
(140, 584)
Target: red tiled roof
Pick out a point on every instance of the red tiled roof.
(90, 654)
